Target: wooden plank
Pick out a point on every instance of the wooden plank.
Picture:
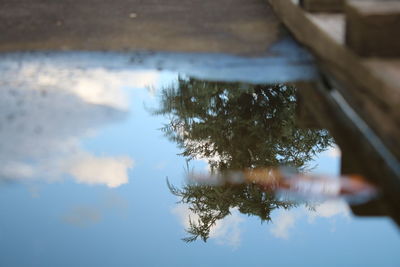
(304, 116)
(374, 207)
(332, 24)
(358, 153)
(373, 28)
(322, 5)
(374, 94)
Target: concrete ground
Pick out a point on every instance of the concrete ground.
(245, 27)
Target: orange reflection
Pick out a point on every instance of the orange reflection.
(354, 188)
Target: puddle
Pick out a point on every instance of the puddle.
(96, 147)
(286, 62)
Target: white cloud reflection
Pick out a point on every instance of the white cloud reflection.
(99, 86)
(89, 169)
(285, 220)
(228, 231)
(85, 215)
(225, 232)
(82, 216)
(282, 224)
(333, 152)
(329, 209)
(45, 111)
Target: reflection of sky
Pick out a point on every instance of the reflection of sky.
(44, 118)
(94, 188)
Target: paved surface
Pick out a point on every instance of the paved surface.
(246, 27)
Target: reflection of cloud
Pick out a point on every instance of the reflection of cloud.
(82, 216)
(184, 214)
(34, 191)
(89, 169)
(334, 152)
(282, 224)
(96, 86)
(86, 215)
(161, 165)
(329, 209)
(45, 111)
(286, 219)
(16, 170)
(227, 231)
(224, 232)
(113, 201)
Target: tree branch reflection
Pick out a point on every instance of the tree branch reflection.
(235, 126)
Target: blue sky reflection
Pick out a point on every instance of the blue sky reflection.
(66, 129)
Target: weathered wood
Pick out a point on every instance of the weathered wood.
(373, 28)
(348, 166)
(373, 208)
(322, 5)
(358, 154)
(371, 86)
(245, 27)
(304, 116)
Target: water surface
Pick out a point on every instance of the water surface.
(86, 152)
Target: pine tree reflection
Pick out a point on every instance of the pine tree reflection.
(235, 126)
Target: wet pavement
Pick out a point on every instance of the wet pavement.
(227, 26)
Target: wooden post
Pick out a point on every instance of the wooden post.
(375, 207)
(305, 118)
(373, 27)
(322, 5)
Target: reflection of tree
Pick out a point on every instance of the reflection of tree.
(235, 126)
(213, 203)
